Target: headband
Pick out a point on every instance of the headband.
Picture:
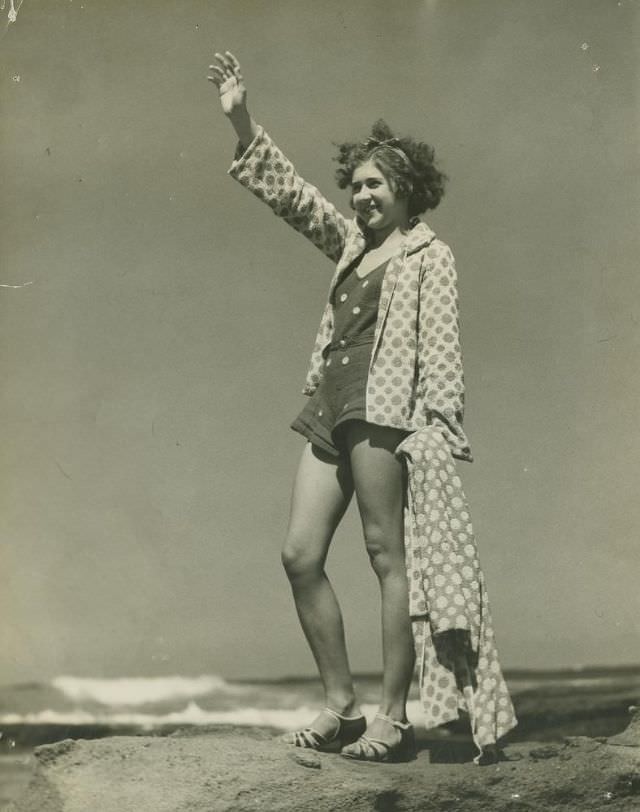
(373, 144)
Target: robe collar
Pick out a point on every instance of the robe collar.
(418, 236)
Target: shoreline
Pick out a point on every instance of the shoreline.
(543, 715)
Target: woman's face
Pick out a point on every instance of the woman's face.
(374, 200)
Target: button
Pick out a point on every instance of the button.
(320, 412)
(365, 283)
(345, 360)
(328, 362)
(343, 297)
(346, 406)
(342, 342)
(355, 311)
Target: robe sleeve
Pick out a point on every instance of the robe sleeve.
(440, 378)
(265, 171)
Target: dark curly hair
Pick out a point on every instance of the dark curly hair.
(417, 179)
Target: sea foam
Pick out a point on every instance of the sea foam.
(192, 714)
(135, 691)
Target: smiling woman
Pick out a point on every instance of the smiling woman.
(409, 166)
(383, 422)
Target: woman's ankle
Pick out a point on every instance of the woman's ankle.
(393, 710)
(343, 705)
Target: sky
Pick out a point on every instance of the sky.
(157, 320)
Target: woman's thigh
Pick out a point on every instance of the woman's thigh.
(322, 490)
(378, 478)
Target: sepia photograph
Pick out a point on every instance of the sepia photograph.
(320, 359)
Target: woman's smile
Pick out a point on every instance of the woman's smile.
(369, 210)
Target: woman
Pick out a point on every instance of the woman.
(383, 420)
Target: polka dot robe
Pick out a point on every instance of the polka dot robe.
(415, 383)
(452, 629)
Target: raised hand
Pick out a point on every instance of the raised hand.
(227, 77)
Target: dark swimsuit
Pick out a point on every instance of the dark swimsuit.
(341, 394)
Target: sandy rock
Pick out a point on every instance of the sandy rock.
(50, 752)
(631, 736)
(239, 770)
(547, 751)
(584, 742)
(305, 758)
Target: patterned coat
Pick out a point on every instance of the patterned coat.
(415, 377)
(415, 383)
(456, 653)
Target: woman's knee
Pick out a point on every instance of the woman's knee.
(301, 559)
(385, 550)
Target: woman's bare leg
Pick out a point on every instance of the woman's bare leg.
(321, 493)
(378, 480)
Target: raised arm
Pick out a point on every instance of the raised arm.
(227, 77)
(261, 166)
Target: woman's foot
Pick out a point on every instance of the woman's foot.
(386, 740)
(329, 732)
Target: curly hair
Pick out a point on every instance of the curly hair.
(416, 178)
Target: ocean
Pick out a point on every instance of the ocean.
(549, 704)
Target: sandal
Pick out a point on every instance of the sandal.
(348, 729)
(368, 749)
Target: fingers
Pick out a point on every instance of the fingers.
(218, 75)
(227, 68)
(234, 62)
(226, 64)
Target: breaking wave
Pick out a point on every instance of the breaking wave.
(135, 691)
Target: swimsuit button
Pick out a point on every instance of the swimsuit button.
(328, 362)
(320, 412)
(355, 311)
(343, 297)
(365, 283)
(342, 342)
(346, 406)
(345, 360)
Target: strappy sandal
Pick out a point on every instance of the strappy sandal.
(348, 729)
(368, 749)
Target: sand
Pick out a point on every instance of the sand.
(202, 770)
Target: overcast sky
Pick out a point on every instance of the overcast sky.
(153, 358)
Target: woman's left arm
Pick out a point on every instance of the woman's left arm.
(440, 374)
